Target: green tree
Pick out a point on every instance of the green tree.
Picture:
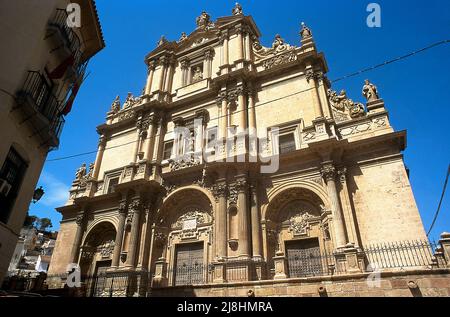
(45, 223)
(30, 221)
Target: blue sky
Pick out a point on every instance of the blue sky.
(416, 90)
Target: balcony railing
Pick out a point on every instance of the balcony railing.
(380, 257)
(37, 100)
(70, 38)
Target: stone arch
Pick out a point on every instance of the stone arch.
(316, 191)
(97, 247)
(184, 200)
(91, 226)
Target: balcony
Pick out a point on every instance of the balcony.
(65, 41)
(41, 109)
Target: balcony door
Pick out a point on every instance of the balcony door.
(189, 268)
(304, 258)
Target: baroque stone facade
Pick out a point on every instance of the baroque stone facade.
(187, 218)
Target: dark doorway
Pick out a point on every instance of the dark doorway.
(304, 258)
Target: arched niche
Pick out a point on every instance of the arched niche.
(97, 248)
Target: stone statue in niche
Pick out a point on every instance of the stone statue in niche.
(237, 10)
(198, 74)
(81, 172)
(370, 91)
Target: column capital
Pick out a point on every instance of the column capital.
(80, 219)
(241, 185)
(151, 66)
(328, 171)
(135, 205)
(223, 36)
(102, 140)
(220, 190)
(208, 53)
(342, 174)
(185, 63)
(122, 207)
(221, 97)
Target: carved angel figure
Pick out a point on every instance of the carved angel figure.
(81, 172)
(237, 10)
(370, 91)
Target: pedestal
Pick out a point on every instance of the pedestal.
(280, 266)
(349, 260)
(320, 125)
(375, 106)
(219, 272)
(160, 279)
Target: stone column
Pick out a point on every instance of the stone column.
(207, 64)
(349, 217)
(248, 46)
(135, 209)
(242, 109)
(184, 71)
(99, 158)
(220, 191)
(120, 232)
(145, 236)
(159, 139)
(150, 138)
(225, 54)
(329, 174)
(137, 144)
(81, 222)
(243, 234)
(311, 78)
(163, 63)
(169, 75)
(151, 72)
(223, 123)
(256, 222)
(322, 88)
(240, 44)
(251, 111)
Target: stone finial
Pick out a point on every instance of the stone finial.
(237, 10)
(370, 91)
(183, 37)
(305, 32)
(162, 40)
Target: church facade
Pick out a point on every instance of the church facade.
(239, 163)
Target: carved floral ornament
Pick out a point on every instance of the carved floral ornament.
(299, 223)
(194, 216)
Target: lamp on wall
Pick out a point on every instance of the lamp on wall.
(38, 193)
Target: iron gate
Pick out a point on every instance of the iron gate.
(189, 264)
(304, 258)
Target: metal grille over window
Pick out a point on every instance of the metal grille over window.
(287, 143)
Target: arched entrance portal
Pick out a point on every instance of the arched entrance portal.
(183, 238)
(97, 249)
(298, 234)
